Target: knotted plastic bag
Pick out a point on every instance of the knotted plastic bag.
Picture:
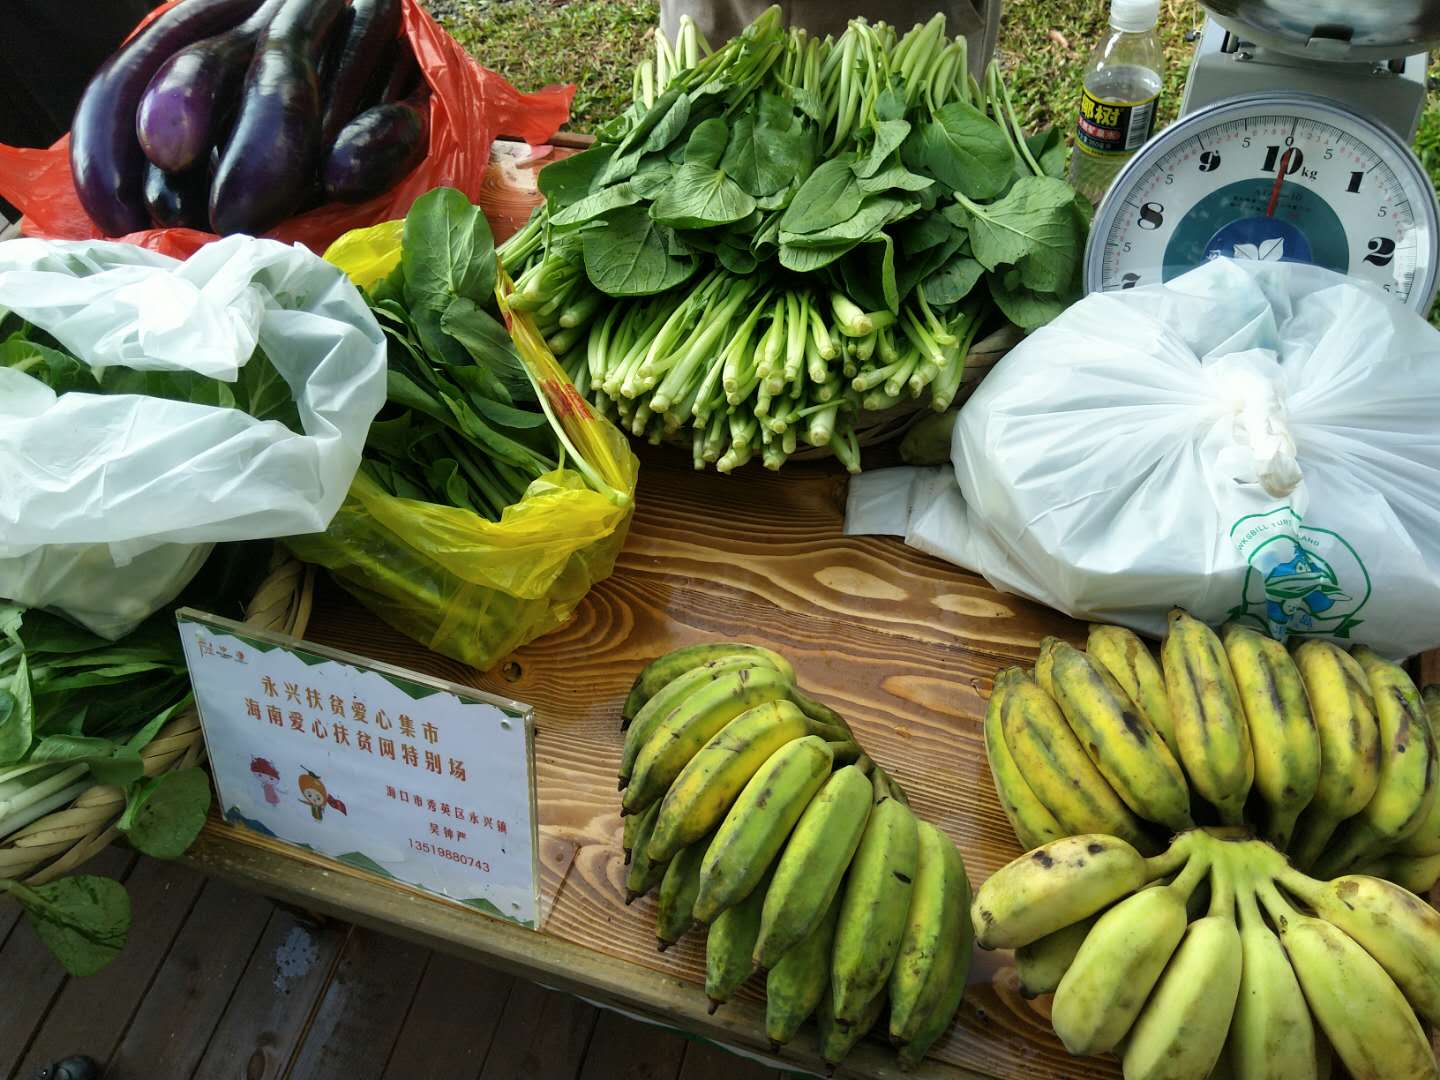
(469, 106)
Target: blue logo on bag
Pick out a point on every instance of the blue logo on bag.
(1301, 580)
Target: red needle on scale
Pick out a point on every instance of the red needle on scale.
(1280, 172)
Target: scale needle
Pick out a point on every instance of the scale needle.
(1280, 172)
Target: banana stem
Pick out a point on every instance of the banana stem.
(1193, 874)
(1171, 859)
(1222, 888)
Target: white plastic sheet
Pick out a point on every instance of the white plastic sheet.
(1252, 441)
(108, 502)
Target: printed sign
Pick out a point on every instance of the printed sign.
(412, 778)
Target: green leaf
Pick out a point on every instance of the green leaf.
(444, 477)
(58, 370)
(1023, 307)
(1034, 228)
(738, 260)
(110, 762)
(447, 251)
(890, 104)
(889, 134)
(629, 255)
(164, 815)
(806, 260)
(895, 176)
(830, 195)
(83, 919)
(769, 148)
(650, 181)
(964, 149)
(923, 232)
(707, 143)
(671, 114)
(874, 213)
(570, 179)
(1048, 150)
(262, 391)
(592, 206)
(146, 734)
(17, 714)
(700, 197)
(953, 281)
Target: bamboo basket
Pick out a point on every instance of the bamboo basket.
(58, 843)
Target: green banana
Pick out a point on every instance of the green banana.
(1120, 961)
(1416, 875)
(1407, 788)
(1344, 712)
(1208, 716)
(728, 945)
(674, 911)
(1056, 767)
(795, 985)
(758, 824)
(670, 697)
(1283, 736)
(1396, 927)
(628, 826)
(680, 735)
(1031, 822)
(1127, 750)
(812, 866)
(874, 905)
(644, 873)
(1043, 963)
(913, 1052)
(1056, 885)
(666, 669)
(711, 780)
(1365, 1017)
(1121, 652)
(1180, 1033)
(1271, 1036)
(837, 1037)
(929, 945)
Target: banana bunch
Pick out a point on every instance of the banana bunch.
(751, 809)
(1264, 978)
(1330, 755)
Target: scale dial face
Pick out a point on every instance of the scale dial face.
(1277, 177)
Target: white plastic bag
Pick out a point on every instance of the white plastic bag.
(108, 503)
(1252, 440)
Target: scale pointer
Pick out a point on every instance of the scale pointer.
(1280, 171)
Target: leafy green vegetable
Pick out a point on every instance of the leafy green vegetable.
(830, 195)
(630, 254)
(962, 149)
(768, 148)
(1033, 228)
(700, 197)
(83, 919)
(164, 815)
(447, 251)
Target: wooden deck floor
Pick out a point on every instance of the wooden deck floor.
(219, 983)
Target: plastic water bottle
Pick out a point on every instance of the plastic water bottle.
(1122, 88)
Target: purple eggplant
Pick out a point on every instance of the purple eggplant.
(273, 152)
(377, 150)
(404, 75)
(105, 155)
(187, 99)
(373, 28)
(178, 200)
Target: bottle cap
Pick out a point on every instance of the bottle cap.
(1134, 16)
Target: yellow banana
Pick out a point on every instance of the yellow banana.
(837, 1037)
(1044, 661)
(1119, 962)
(644, 873)
(728, 944)
(913, 1052)
(812, 866)
(1365, 1017)
(1054, 886)
(1056, 766)
(1121, 652)
(1032, 823)
(1180, 1033)
(1396, 927)
(794, 986)
(672, 695)
(1129, 753)
(1283, 738)
(758, 824)
(666, 669)
(1417, 875)
(874, 904)
(680, 735)
(1425, 840)
(1407, 788)
(1208, 716)
(711, 780)
(675, 906)
(1271, 1036)
(1043, 963)
(929, 945)
(1344, 713)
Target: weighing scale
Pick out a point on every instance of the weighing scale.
(1293, 145)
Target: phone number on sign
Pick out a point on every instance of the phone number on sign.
(453, 856)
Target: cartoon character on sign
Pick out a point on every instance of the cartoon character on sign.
(269, 778)
(1301, 590)
(313, 794)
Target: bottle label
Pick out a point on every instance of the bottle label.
(1113, 127)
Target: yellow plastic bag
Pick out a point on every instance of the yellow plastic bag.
(469, 588)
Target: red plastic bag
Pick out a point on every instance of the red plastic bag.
(469, 106)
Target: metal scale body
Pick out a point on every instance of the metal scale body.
(1293, 145)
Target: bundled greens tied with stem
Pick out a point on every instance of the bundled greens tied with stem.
(786, 232)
